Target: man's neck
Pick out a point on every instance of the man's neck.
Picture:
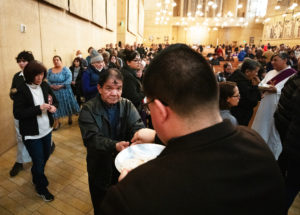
(184, 126)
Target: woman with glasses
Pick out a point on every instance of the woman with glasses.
(229, 97)
(132, 87)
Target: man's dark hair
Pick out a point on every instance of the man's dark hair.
(25, 55)
(110, 73)
(181, 78)
(282, 55)
(249, 64)
(226, 91)
(32, 69)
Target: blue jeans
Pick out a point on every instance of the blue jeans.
(39, 151)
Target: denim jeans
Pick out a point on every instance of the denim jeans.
(39, 150)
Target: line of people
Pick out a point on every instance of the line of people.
(109, 122)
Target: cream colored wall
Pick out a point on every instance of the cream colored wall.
(123, 34)
(154, 31)
(179, 34)
(228, 35)
(49, 31)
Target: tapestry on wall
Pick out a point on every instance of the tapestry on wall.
(282, 28)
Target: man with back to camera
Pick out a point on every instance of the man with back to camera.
(208, 166)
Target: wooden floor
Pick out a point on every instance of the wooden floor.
(66, 171)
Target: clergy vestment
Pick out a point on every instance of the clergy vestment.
(264, 121)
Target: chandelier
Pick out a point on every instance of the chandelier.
(165, 11)
(208, 13)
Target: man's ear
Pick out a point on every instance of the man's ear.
(99, 88)
(162, 110)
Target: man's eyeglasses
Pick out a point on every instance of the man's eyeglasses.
(146, 105)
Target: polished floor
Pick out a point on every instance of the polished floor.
(66, 171)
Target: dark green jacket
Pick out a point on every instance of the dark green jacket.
(95, 126)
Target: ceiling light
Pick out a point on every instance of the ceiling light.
(239, 6)
(174, 4)
(293, 6)
(199, 6)
(277, 7)
(210, 3)
(214, 6)
(167, 2)
(215, 29)
(219, 15)
(189, 14)
(296, 14)
(158, 4)
(170, 13)
(267, 20)
(229, 14)
(284, 15)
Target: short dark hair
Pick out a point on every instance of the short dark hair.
(25, 55)
(282, 55)
(226, 90)
(226, 65)
(249, 64)
(110, 73)
(56, 56)
(77, 59)
(181, 78)
(32, 69)
(131, 55)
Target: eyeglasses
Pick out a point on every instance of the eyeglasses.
(136, 60)
(237, 96)
(21, 60)
(146, 105)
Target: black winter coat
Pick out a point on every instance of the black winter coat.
(26, 112)
(250, 95)
(16, 82)
(77, 89)
(287, 117)
(221, 169)
(132, 87)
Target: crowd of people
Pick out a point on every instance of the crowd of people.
(200, 116)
